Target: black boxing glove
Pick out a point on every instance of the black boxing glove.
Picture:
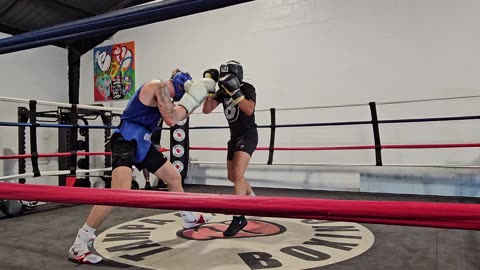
(211, 73)
(219, 95)
(231, 85)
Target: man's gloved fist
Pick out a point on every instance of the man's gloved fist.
(194, 95)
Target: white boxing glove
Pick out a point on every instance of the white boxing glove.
(209, 84)
(194, 95)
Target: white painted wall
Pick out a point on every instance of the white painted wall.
(326, 52)
(39, 74)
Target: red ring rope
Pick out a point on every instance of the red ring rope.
(426, 214)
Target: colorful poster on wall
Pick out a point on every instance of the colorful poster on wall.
(114, 72)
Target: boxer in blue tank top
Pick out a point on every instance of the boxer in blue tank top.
(131, 146)
(138, 121)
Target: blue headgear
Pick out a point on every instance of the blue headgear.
(179, 79)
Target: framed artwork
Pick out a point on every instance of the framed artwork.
(114, 71)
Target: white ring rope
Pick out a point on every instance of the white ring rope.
(90, 107)
(366, 104)
(52, 173)
(357, 104)
(59, 104)
(424, 100)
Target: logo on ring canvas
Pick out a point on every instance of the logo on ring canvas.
(214, 230)
(159, 242)
(178, 150)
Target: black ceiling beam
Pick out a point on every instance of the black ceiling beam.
(5, 9)
(123, 3)
(54, 5)
(84, 45)
(11, 30)
(111, 22)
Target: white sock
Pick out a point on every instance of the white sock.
(188, 216)
(89, 230)
(84, 234)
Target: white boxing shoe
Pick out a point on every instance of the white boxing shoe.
(196, 220)
(80, 250)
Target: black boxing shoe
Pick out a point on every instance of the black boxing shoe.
(237, 224)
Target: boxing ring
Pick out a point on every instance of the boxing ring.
(420, 216)
(450, 214)
(417, 211)
(462, 216)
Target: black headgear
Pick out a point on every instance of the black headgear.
(232, 67)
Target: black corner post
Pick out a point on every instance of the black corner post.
(69, 142)
(73, 75)
(23, 116)
(33, 137)
(180, 147)
(272, 136)
(72, 164)
(107, 121)
(376, 133)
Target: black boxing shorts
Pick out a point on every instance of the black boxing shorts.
(246, 143)
(123, 154)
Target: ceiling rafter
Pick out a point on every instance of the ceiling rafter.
(84, 13)
(69, 11)
(7, 8)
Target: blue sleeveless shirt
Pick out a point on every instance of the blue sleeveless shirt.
(138, 123)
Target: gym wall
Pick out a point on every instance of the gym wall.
(315, 53)
(39, 74)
